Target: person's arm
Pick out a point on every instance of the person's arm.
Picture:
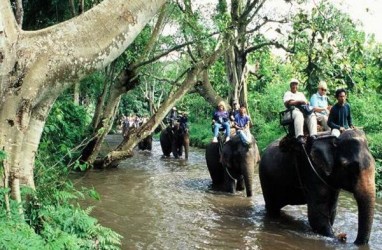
(288, 101)
(250, 124)
(247, 122)
(225, 117)
(214, 117)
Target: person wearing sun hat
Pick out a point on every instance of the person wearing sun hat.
(294, 98)
(221, 119)
(319, 102)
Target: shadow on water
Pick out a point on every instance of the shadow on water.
(157, 203)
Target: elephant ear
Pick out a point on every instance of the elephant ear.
(226, 156)
(322, 154)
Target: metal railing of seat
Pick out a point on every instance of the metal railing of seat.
(286, 120)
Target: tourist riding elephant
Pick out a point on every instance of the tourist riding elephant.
(172, 140)
(234, 167)
(289, 177)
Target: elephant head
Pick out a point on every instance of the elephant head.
(172, 140)
(348, 164)
(233, 166)
(146, 143)
(291, 178)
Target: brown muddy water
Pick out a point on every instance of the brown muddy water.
(157, 203)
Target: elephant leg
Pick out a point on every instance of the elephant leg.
(150, 144)
(320, 219)
(180, 150)
(272, 200)
(322, 211)
(174, 150)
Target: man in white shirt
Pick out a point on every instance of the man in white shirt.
(296, 99)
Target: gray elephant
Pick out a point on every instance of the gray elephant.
(146, 144)
(291, 178)
(232, 165)
(172, 140)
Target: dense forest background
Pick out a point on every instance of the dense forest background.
(253, 51)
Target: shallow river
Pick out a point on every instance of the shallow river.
(159, 203)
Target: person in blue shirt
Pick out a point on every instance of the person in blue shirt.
(221, 119)
(242, 123)
(319, 102)
(340, 115)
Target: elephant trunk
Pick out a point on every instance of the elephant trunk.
(248, 170)
(365, 196)
(186, 144)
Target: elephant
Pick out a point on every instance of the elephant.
(314, 174)
(172, 140)
(146, 144)
(232, 164)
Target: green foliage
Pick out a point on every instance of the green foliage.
(376, 150)
(363, 115)
(327, 46)
(54, 222)
(65, 128)
(265, 109)
(199, 107)
(18, 235)
(222, 17)
(218, 79)
(53, 12)
(68, 227)
(201, 133)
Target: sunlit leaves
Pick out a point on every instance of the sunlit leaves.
(327, 44)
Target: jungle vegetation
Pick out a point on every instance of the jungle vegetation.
(190, 56)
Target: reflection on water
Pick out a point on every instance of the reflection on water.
(159, 203)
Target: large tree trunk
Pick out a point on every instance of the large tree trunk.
(37, 66)
(105, 122)
(106, 108)
(125, 149)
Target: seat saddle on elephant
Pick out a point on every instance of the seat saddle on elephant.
(288, 142)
